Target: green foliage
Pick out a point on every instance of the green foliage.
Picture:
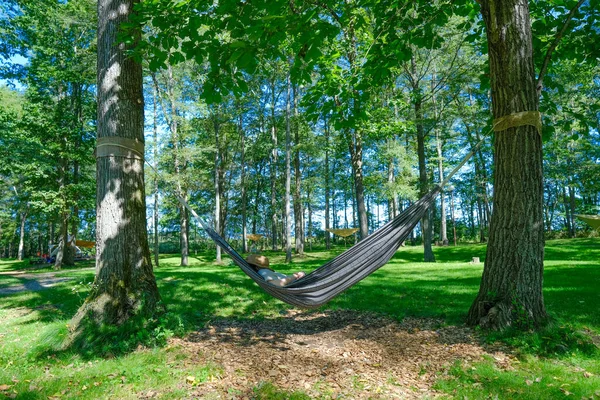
(94, 340)
(554, 340)
(34, 325)
(268, 391)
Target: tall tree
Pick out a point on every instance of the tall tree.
(125, 286)
(511, 286)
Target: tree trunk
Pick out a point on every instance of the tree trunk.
(356, 154)
(443, 229)
(217, 186)
(182, 191)
(288, 177)
(21, 253)
(567, 211)
(124, 286)
(426, 226)
(572, 206)
(298, 214)
(243, 184)
(273, 171)
(155, 177)
(327, 189)
(511, 286)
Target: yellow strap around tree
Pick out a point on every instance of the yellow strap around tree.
(533, 118)
(115, 146)
(343, 232)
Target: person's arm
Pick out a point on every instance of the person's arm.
(287, 279)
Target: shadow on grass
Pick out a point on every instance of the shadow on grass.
(445, 290)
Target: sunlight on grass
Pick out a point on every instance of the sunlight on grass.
(32, 324)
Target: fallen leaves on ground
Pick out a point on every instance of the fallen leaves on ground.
(341, 353)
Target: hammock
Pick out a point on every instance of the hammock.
(591, 220)
(255, 237)
(350, 267)
(343, 232)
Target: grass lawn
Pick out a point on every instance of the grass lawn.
(558, 362)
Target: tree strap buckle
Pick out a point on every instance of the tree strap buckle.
(115, 146)
(533, 118)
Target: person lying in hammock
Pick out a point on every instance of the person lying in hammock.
(261, 265)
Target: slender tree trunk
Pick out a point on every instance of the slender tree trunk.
(299, 226)
(21, 252)
(572, 205)
(567, 207)
(392, 201)
(511, 286)
(273, 171)
(356, 154)
(243, 184)
(426, 225)
(217, 184)
(327, 189)
(288, 177)
(174, 127)
(155, 177)
(443, 229)
(124, 286)
(66, 253)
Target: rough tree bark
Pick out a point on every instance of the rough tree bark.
(511, 288)
(125, 286)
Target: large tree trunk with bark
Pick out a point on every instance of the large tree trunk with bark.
(511, 288)
(125, 286)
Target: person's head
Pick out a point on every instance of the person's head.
(257, 261)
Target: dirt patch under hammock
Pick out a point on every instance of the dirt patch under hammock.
(339, 354)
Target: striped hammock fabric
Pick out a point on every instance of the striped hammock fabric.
(340, 273)
(350, 267)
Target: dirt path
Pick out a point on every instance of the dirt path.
(340, 354)
(33, 282)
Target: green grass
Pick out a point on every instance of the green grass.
(553, 363)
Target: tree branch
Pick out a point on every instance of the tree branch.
(552, 47)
